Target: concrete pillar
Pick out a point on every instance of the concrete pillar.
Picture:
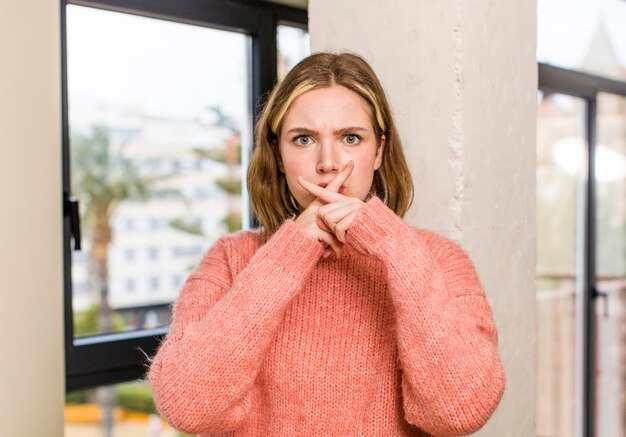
(31, 310)
(462, 78)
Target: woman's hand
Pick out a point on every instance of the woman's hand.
(307, 221)
(335, 212)
(338, 216)
(311, 220)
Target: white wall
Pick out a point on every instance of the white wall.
(31, 312)
(462, 78)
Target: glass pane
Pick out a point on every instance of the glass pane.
(611, 265)
(123, 410)
(586, 35)
(560, 190)
(159, 117)
(293, 45)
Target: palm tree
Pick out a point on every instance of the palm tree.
(230, 155)
(103, 177)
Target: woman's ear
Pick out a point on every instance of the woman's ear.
(379, 152)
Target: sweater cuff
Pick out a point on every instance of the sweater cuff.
(374, 225)
(292, 247)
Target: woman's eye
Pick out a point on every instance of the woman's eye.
(303, 140)
(352, 139)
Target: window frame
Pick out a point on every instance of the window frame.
(112, 358)
(587, 87)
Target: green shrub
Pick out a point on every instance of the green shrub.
(135, 396)
(87, 322)
(76, 397)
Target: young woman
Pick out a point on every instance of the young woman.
(335, 318)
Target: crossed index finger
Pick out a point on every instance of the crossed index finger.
(336, 183)
(324, 194)
(330, 193)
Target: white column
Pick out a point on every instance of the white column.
(462, 78)
(31, 286)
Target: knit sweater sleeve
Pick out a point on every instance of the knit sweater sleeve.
(452, 377)
(222, 328)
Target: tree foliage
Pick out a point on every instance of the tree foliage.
(229, 185)
(87, 322)
(103, 176)
(192, 228)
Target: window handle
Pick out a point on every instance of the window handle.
(72, 207)
(597, 294)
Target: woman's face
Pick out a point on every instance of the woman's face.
(323, 130)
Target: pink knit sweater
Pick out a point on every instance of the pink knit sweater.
(395, 338)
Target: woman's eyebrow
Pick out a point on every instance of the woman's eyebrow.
(351, 129)
(343, 130)
(301, 130)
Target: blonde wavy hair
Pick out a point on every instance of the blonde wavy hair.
(270, 198)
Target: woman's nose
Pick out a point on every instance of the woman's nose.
(327, 161)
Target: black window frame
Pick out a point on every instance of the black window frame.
(587, 87)
(112, 358)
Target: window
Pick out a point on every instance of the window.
(560, 197)
(153, 253)
(610, 266)
(293, 45)
(129, 254)
(581, 219)
(157, 132)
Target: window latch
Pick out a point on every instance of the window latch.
(597, 294)
(71, 204)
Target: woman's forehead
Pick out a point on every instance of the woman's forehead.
(333, 107)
